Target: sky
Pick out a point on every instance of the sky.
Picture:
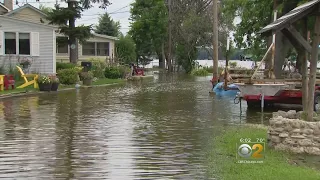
(119, 11)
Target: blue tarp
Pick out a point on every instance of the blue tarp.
(218, 89)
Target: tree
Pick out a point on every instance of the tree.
(126, 50)
(254, 16)
(45, 9)
(65, 18)
(192, 27)
(107, 26)
(149, 28)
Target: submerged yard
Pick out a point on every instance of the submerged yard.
(149, 129)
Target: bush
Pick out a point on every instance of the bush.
(69, 76)
(233, 64)
(124, 70)
(60, 66)
(113, 72)
(86, 75)
(98, 67)
(210, 69)
(199, 72)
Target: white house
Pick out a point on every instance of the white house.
(27, 26)
(98, 46)
(23, 40)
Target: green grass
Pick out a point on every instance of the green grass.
(107, 81)
(16, 90)
(61, 86)
(199, 72)
(276, 165)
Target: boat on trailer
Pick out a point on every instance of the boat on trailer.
(274, 93)
(286, 91)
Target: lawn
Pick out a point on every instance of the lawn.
(61, 86)
(276, 165)
(107, 81)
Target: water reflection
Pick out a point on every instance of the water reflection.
(143, 129)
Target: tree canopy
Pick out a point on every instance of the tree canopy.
(254, 15)
(108, 26)
(149, 27)
(126, 50)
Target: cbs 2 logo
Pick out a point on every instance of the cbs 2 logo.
(246, 151)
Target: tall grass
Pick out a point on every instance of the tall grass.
(199, 72)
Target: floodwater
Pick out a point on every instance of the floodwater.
(152, 129)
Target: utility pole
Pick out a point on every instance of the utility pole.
(215, 42)
(170, 37)
(72, 39)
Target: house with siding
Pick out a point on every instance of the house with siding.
(98, 46)
(22, 40)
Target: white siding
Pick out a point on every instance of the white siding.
(42, 63)
(65, 57)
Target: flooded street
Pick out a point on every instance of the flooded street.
(158, 128)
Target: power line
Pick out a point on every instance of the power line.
(102, 14)
(120, 8)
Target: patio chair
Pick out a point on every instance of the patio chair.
(9, 81)
(2, 82)
(26, 81)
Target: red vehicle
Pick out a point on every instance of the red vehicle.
(136, 70)
(282, 96)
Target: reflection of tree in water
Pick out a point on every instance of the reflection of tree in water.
(77, 144)
(168, 135)
(65, 126)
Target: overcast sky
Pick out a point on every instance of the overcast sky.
(119, 10)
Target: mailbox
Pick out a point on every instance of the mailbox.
(86, 66)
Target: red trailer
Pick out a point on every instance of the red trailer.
(273, 94)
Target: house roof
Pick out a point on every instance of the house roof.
(27, 22)
(23, 7)
(4, 7)
(105, 36)
(291, 17)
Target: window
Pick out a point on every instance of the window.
(103, 49)
(88, 49)
(24, 43)
(62, 45)
(10, 43)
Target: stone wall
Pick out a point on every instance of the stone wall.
(287, 132)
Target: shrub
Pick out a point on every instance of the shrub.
(113, 72)
(86, 75)
(233, 64)
(210, 69)
(199, 72)
(98, 67)
(54, 79)
(68, 76)
(124, 70)
(60, 66)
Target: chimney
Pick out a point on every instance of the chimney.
(8, 4)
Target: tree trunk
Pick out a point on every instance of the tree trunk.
(304, 66)
(162, 63)
(313, 69)
(215, 42)
(72, 40)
